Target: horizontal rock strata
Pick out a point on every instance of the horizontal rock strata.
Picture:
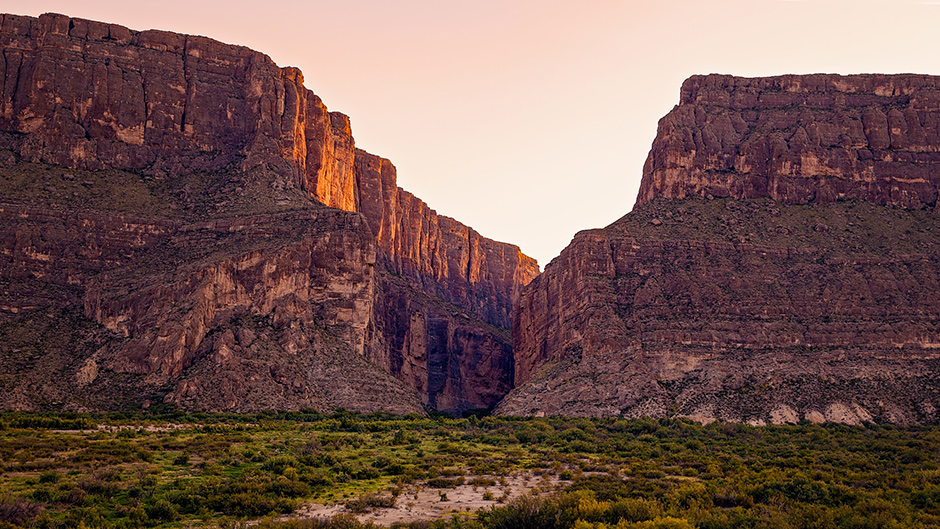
(164, 181)
(445, 296)
(780, 265)
(801, 139)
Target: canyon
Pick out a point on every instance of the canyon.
(186, 224)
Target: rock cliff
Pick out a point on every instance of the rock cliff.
(163, 194)
(90, 95)
(445, 296)
(781, 265)
(800, 139)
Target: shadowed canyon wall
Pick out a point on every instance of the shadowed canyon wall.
(781, 265)
(158, 179)
(458, 352)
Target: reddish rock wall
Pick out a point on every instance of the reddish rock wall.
(795, 320)
(801, 139)
(247, 314)
(234, 142)
(91, 95)
(780, 265)
(458, 356)
(439, 254)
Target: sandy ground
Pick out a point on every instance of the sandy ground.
(423, 503)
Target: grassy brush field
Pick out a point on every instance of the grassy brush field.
(174, 470)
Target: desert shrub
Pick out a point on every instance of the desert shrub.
(667, 522)
(55, 422)
(162, 510)
(445, 483)
(289, 488)
(370, 502)
(50, 476)
(524, 512)
(632, 510)
(91, 517)
(17, 511)
(340, 521)
(483, 482)
(75, 496)
(278, 464)
(43, 494)
(95, 484)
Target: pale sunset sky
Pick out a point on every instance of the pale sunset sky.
(530, 120)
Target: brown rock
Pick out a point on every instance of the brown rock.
(625, 322)
(220, 276)
(100, 96)
(805, 287)
(456, 357)
(800, 139)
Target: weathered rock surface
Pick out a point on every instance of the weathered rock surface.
(439, 254)
(801, 139)
(91, 95)
(245, 314)
(808, 292)
(162, 192)
(458, 353)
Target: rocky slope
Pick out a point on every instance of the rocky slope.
(781, 265)
(162, 192)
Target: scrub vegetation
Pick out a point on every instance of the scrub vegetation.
(173, 470)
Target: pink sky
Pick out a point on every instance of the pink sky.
(530, 120)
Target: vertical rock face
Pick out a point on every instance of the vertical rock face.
(781, 265)
(437, 253)
(259, 312)
(90, 95)
(801, 139)
(456, 353)
(158, 191)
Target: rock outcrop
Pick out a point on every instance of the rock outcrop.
(801, 139)
(163, 193)
(781, 265)
(91, 95)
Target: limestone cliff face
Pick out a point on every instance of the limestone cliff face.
(437, 253)
(246, 314)
(90, 95)
(801, 139)
(756, 280)
(457, 354)
(163, 194)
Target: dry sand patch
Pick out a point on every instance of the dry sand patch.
(419, 502)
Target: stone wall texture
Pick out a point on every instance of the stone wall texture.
(801, 139)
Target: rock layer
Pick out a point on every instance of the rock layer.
(457, 353)
(801, 139)
(780, 265)
(160, 191)
(91, 95)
